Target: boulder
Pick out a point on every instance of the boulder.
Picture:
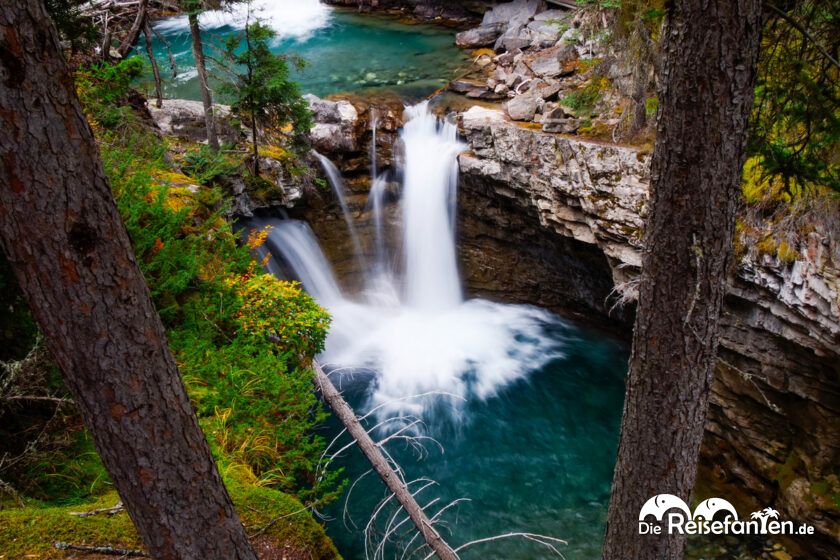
(481, 36)
(563, 126)
(184, 119)
(545, 64)
(518, 10)
(546, 90)
(516, 37)
(332, 112)
(544, 34)
(522, 107)
(331, 138)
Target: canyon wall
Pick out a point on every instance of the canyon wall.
(774, 423)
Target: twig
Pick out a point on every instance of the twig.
(541, 539)
(102, 511)
(268, 525)
(796, 25)
(107, 550)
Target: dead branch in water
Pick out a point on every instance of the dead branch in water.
(376, 455)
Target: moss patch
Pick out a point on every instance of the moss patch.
(281, 521)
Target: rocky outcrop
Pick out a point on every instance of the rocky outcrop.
(774, 423)
(184, 119)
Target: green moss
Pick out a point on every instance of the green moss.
(31, 531)
(786, 253)
(651, 106)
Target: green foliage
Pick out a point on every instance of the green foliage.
(208, 167)
(261, 88)
(104, 88)
(583, 102)
(651, 106)
(795, 126)
(602, 4)
(71, 25)
(243, 340)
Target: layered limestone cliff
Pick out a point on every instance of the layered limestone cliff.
(774, 423)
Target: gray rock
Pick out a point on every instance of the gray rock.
(517, 38)
(545, 64)
(463, 85)
(546, 90)
(331, 138)
(507, 58)
(332, 112)
(563, 126)
(522, 107)
(184, 119)
(566, 53)
(516, 10)
(481, 36)
(485, 94)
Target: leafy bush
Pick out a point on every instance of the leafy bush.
(208, 167)
(583, 102)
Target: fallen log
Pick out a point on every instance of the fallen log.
(380, 464)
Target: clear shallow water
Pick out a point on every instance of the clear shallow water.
(538, 456)
(344, 51)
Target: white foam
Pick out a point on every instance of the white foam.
(290, 19)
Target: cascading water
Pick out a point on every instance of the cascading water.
(337, 183)
(415, 331)
(549, 442)
(431, 172)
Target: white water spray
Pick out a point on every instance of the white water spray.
(423, 338)
(295, 19)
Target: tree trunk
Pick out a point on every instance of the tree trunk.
(201, 68)
(147, 33)
(710, 51)
(344, 413)
(136, 29)
(64, 238)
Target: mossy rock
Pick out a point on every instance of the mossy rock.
(286, 528)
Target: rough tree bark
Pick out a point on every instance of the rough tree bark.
(710, 51)
(64, 238)
(204, 86)
(344, 413)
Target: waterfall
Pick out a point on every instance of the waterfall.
(431, 172)
(337, 183)
(376, 200)
(415, 331)
(294, 241)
